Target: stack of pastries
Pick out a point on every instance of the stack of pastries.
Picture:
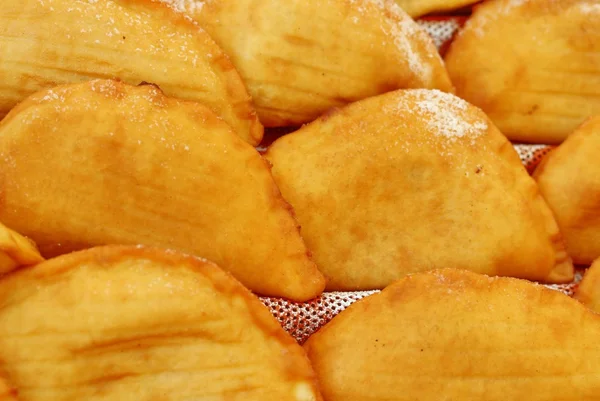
(139, 223)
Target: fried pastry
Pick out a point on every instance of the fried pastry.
(569, 180)
(415, 180)
(16, 251)
(299, 58)
(417, 8)
(588, 290)
(125, 323)
(460, 336)
(531, 65)
(49, 42)
(132, 166)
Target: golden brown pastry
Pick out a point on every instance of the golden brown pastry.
(103, 162)
(457, 335)
(16, 251)
(125, 323)
(569, 179)
(49, 42)
(415, 180)
(588, 290)
(417, 8)
(299, 58)
(531, 65)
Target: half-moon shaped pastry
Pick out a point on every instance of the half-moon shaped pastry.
(16, 251)
(569, 180)
(588, 290)
(417, 8)
(457, 335)
(415, 180)
(299, 58)
(44, 43)
(531, 65)
(103, 162)
(125, 323)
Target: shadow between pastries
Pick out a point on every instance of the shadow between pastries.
(417, 8)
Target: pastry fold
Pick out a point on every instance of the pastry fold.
(415, 180)
(457, 335)
(132, 323)
(104, 162)
(299, 58)
(531, 65)
(44, 43)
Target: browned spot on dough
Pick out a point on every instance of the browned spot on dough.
(359, 232)
(533, 109)
(299, 40)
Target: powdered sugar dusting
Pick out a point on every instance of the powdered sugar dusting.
(446, 115)
(185, 6)
(404, 32)
(590, 8)
(510, 5)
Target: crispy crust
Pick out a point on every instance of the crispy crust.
(145, 168)
(570, 185)
(404, 154)
(14, 291)
(222, 88)
(462, 335)
(527, 64)
(297, 67)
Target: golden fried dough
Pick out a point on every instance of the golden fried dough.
(588, 290)
(16, 251)
(299, 58)
(531, 65)
(417, 8)
(415, 180)
(50, 42)
(125, 323)
(569, 180)
(457, 335)
(107, 163)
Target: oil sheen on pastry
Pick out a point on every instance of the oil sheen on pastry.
(103, 162)
(457, 335)
(532, 65)
(299, 58)
(44, 43)
(415, 180)
(126, 323)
